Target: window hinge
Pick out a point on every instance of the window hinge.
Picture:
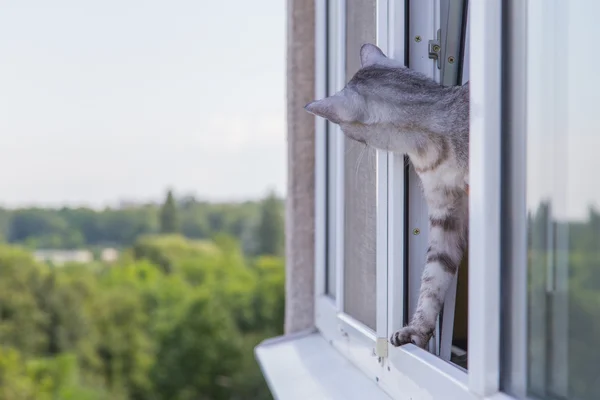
(435, 49)
(381, 347)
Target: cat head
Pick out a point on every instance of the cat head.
(382, 99)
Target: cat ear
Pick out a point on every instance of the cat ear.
(371, 54)
(335, 108)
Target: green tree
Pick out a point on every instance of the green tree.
(269, 296)
(35, 222)
(198, 358)
(123, 342)
(173, 318)
(15, 384)
(169, 220)
(22, 323)
(270, 230)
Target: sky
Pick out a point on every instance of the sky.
(111, 100)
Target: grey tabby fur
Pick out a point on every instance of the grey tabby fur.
(390, 107)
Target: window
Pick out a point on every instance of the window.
(534, 206)
(375, 218)
(426, 22)
(562, 202)
(371, 221)
(551, 239)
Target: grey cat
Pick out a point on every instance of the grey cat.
(390, 107)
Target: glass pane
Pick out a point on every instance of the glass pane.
(360, 195)
(563, 200)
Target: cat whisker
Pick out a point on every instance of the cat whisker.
(360, 156)
(348, 147)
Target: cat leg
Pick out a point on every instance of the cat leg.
(447, 243)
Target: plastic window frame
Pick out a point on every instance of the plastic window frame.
(514, 236)
(484, 196)
(408, 371)
(355, 340)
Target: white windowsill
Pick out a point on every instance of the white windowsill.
(304, 366)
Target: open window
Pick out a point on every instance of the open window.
(348, 301)
(374, 218)
(437, 47)
(534, 224)
(552, 242)
(372, 223)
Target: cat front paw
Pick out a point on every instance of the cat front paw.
(410, 334)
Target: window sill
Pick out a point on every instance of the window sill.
(304, 366)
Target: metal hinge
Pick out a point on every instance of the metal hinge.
(381, 347)
(435, 49)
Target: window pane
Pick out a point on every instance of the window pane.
(360, 196)
(563, 200)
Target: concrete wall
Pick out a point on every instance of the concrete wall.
(300, 210)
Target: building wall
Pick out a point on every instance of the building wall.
(300, 210)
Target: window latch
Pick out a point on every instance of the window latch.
(447, 47)
(435, 48)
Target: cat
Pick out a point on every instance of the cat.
(391, 107)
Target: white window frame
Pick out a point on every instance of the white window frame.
(409, 372)
(514, 333)
(355, 340)
(484, 196)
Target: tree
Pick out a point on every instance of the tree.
(15, 384)
(270, 231)
(169, 221)
(22, 322)
(174, 318)
(28, 223)
(199, 356)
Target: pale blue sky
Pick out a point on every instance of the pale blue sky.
(108, 100)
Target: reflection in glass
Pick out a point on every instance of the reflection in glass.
(563, 201)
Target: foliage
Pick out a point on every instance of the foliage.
(257, 225)
(564, 299)
(270, 228)
(196, 287)
(175, 318)
(169, 219)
